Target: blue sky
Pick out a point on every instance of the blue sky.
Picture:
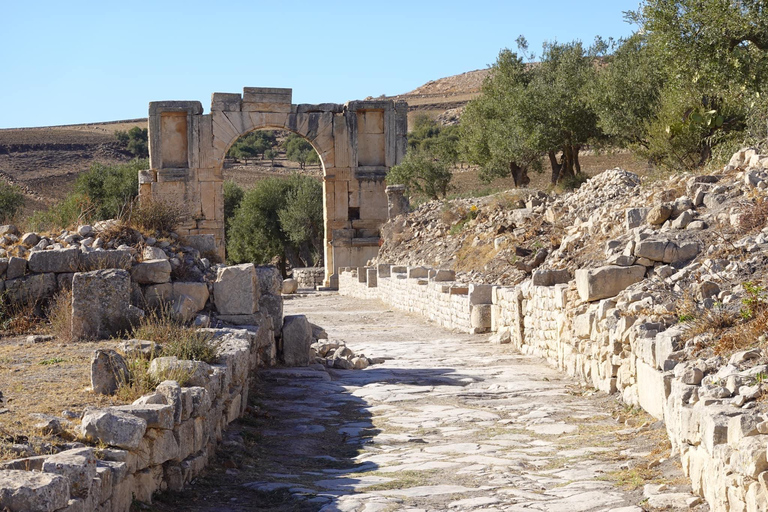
(65, 62)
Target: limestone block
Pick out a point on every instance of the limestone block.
(270, 280)
(25, 491)
(101, 304)
(78, 466)
(16, 268)
(674, 253)
(667, 342)
(201, 401)
(636, 217)
(157, 416)
(714, 426)
(153, 253)
(480, 320)
(236, 290)
(272, 306)
(651, 249)
(152, 272)
(56, 260)
(197, 371)
(417, 272)
(30, 289)
(171, 390)
(290, 286)
(608, 281)
(297, 338)
(158, 294)
(184, 308)
(98, 260)
(653, 389)
(550, 277)
(749, 457)
(659, 214)
(114, 428)
(252, 319)
(108, 371)
(480, 294)
(162, 445)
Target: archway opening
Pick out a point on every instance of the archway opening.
(273, 201)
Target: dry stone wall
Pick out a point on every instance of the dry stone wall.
(607, 344)
(160, 442)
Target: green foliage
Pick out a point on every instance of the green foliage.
(526, 111)
(754, 300)
(428, 136)
(134, 140)
(75, 209)
(11, 201)
(257, 232)
(297, 149)
(110, 188)
(233, 194)
(713, 56)
(252, 145)
(421, 173)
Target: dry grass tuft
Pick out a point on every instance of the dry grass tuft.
(60, 315)
(177, 339)
(17, 319)
(159, 217)
(754, 216)
(141, 382)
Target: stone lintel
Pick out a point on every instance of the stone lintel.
(267, 95)
(305, 108)
(173, 174)
(191, 107)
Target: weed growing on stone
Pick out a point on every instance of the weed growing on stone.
(176, 338)
(141, 382)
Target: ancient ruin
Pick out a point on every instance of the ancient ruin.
(357, 142)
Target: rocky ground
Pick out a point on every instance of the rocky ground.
(447, 422)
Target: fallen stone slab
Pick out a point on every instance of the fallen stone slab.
(108, 371)
(236, 290)
(151, 272)
(607, 281)
(101, 304)
(297, 340)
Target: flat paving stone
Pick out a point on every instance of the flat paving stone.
(447, 422)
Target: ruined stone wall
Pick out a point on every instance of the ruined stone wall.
(160, 442)
(425, 292)
(607, 344)
(310, 277)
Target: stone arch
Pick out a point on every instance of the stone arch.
(357, 142)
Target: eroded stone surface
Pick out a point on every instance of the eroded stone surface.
(447, 422)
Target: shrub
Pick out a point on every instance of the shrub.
(421, 174)
(160, 217)
(572, 182)
(110, 188)
(11, 201)
(75, 209)
(141, 382)
(135, 140)
(754, 217)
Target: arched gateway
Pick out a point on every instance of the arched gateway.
(357, 142)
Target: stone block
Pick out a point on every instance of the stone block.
(99, 260)
(608, 281)
(16, 268)
(550, 277)
(236, 290)
(171, 390)
(659, 214)
(667, 342)
(651, 249)
(101, 304)
(480, 318)
(272, 306)
(480, 294)
(114, 428)
(290, 286)
(252, 319)
(157, 416)
(78, 466)
(654, 388)
(442, 275)
(635, 217)
(371, 278)
(270, 280)
(26, 491)
(196, 372)
(417, 272)
(57, 260)
(108, 371)
(152, 272)
(163, 446)
(297, 339)
(30, 289)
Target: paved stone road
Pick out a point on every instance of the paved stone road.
(448, 422)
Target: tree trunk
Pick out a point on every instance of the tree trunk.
(576, 164)
(519, 175)
(556, 167)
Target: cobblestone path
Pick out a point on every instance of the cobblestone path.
(448, 422)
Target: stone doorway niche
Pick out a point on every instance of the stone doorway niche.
(358, 143)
